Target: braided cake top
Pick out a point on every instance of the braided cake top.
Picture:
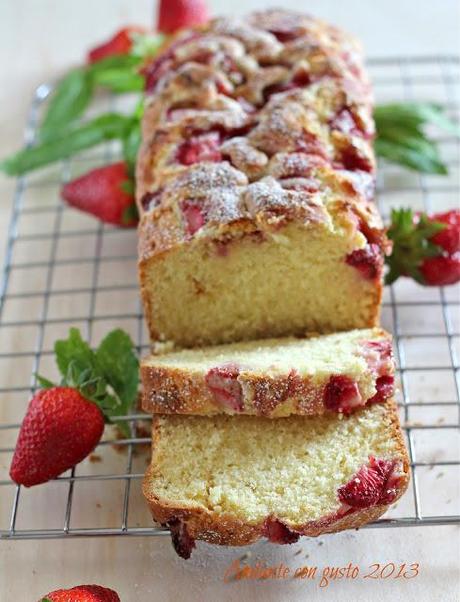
(255, 120)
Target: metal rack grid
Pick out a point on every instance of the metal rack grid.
(64, 249)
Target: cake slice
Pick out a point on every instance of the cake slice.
(231, 480)
(273, 377)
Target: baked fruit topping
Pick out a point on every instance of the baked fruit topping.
(204, 147)
(223, 382)
(341, 394)
(375, 483)
(182, 542)
(194, 216)
(385, 389)
(277, 532)
(368, 261)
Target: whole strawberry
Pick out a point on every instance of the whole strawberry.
(82, 593)
(177, 14)
(63, 424)
(425, 247)
(59, 430)
(120, 43)
(106, 192)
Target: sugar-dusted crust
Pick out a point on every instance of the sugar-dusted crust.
(181, 390)
(226, 529)
(281, 110)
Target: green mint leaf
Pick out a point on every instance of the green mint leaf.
(414, 115)
(120, 80)
(108, 376)
(106, 127)
(74, 355)
(146, 45)
(401, 139)
(425, 161)
(44, 382)
(119, 364)
(116, 61)
(131, 143)
(68, 101)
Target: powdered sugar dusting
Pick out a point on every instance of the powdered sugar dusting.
(272, 88)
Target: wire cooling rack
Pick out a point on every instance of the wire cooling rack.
(63, 269)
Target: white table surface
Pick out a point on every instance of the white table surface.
(39, 39)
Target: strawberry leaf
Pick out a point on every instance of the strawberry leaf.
(411, 236)
(130, 215)
(44, 382)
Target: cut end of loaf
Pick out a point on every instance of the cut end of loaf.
(241, 472)
(285, 283)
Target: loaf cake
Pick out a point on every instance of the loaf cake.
(273, 377)
(255, 184)
(233, 479)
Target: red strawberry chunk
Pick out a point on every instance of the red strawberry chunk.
(225, 387)
(300, 80)
(178, 14)
(160, 65)
(353, 159)
(449, 238)
(285, 33)
(310, 144)
(182, 541)
(277, 532)
(345, 122)
(150, 200)
(120, 43)
(84, 593)
(204, 147)
(194, 216)
(375, 483)
(368, 261)
(342, 394)
(385, 389)
(379, 356)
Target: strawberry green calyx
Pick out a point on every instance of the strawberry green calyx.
(425, 247)
(412, 244)
(107, 376)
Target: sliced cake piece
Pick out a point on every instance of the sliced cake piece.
(273, 377)
(231, 480)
